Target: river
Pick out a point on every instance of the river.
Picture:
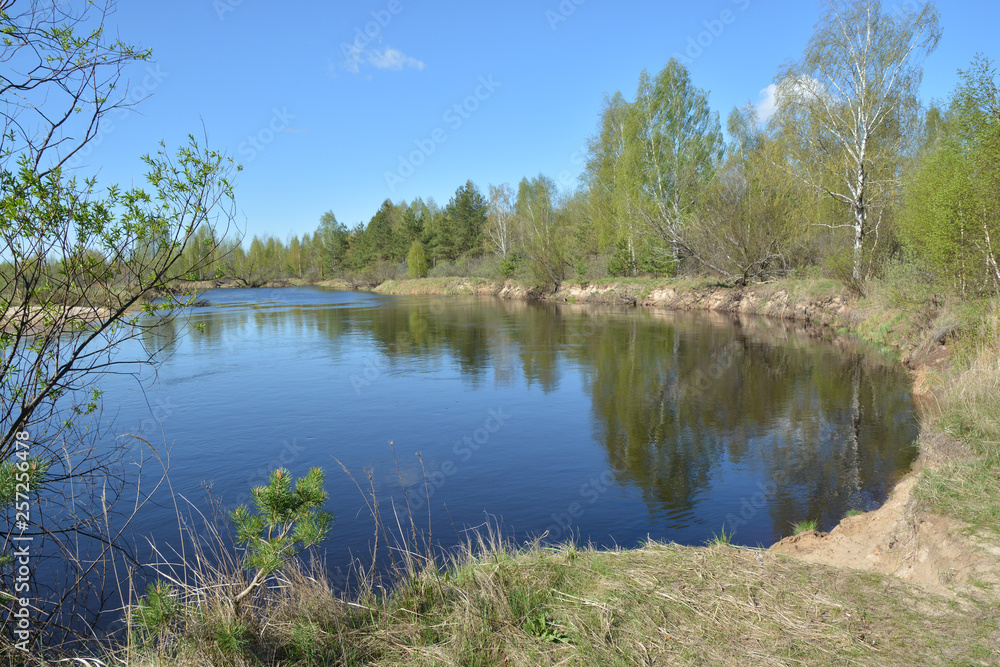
(598, 424)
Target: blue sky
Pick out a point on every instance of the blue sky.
(434, 94)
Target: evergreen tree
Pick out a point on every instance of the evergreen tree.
(380, 237)
(463, 223)
(330, 243)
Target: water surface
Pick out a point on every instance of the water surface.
(598, 424)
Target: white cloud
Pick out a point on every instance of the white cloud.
(768, 103)
(357, 56)
(395, 59)
(802, 89)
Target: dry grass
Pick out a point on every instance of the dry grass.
(437, 286)
(666, 604)
(661, 604)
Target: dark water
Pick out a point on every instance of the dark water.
(607, 425)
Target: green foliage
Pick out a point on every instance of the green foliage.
(286, 521)
(649, 166)
(82, 266)
(21, 470)
(621, 263)
(113, 251)
(841, 266)
(510, 264)
(70, 247)
(460, 228)
(380, 236)
(307, 642)
(749, 225)
(952, 217)
(231, 639)
(543, 234)
(612, 175)
(848, 110)
(680, 142)
(155, 613)
(540, 624)
(416, 261)
(722, 539)
(630, 260)
(804, 526)
(529, 606)
(331, 236)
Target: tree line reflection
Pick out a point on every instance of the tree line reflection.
(678, 401)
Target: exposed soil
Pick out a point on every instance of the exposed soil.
(767, 300)
(900, 540)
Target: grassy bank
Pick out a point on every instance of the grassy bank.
(659, 604)
(965, 484)
(502, 604)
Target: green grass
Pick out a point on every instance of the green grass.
(906, 314)
(969, 488)
(804, 526)
(966, 485)
(722, 539)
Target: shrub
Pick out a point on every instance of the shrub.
(510, 264)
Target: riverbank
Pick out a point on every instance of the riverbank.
(818, 301)
(914, 582)
(36, 320)
(941, 546)
(917, 333)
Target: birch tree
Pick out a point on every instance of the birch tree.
(543, 240)
(651, 163)
(500, 219)
(849, 106)
(680, 142)
(612, 180)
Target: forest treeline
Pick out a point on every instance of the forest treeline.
(848, 176)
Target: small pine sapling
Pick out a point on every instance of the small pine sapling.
(286, 522)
